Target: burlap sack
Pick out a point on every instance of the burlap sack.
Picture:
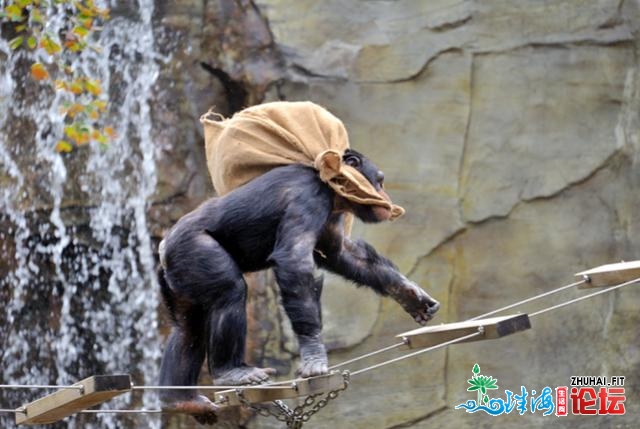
(260, 138)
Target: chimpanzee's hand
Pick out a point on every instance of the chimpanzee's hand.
(416, 302)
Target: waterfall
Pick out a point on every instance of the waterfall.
(76, 262)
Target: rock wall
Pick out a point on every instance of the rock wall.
(509, 132)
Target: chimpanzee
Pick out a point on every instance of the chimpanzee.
(286, 219)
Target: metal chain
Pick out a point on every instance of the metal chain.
(310, 401)
(294, 418)
(265, 411)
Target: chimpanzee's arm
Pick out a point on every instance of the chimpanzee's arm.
(359, 262)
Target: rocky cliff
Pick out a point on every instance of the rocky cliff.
(507, 129)
(509, 132)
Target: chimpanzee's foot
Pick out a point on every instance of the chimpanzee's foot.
(313, 355)
(242, 375)
(313, 367)
(416, 302)
(200, 407)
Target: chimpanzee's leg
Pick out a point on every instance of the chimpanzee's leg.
(226, 330)
(204, 278)
(181, 364)
(185, 351)
(183, 357)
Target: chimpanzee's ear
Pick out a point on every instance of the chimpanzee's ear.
(352, 159)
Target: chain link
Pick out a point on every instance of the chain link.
(267, 411)
(294, 418)
(310, 401)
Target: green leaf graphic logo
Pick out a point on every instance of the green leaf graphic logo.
(481, 383)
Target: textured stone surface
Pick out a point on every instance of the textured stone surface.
(557, 113)
(507, 129)
(219, 55)
(509, 132)
(431, 128)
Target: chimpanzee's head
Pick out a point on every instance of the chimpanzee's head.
(365, 212)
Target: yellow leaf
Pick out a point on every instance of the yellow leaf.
(82, 135)
(93, 86)
(64, 147)
(49, 45)
(16, 43)
(89, 12)
(70, 132)
(80, 31)
(83, 138)
(76, 87)
(14, 13)
(72, 45)
(39, 72)
(108, 130)
(101, 105)
(32, 42)
(75, 109)
(102, 139)
(36, 16)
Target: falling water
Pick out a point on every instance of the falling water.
(76, 259)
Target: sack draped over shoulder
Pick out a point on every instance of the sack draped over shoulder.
(260, 138)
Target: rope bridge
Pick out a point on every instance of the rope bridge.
(267, 399)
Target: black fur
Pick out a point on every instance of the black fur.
(288, 220)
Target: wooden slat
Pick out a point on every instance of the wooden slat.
(64, 402)
(294, 389)
(494, 327)
(611, 274)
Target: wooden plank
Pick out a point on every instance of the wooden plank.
(293, 389)
(65, 402)
(494, 327)
(611, 274)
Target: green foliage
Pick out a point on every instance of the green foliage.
(83, 19)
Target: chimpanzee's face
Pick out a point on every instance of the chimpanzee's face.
(368, 213)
